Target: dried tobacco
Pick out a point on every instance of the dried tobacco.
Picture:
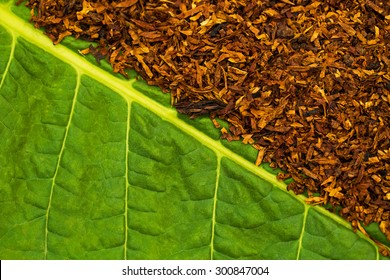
(306, 82)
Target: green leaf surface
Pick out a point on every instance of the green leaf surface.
(94, 166)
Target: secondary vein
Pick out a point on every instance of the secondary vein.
(305, 213)
(215, 198)
(58, 164)
(127, 177)
(11, 56)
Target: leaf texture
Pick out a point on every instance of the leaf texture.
(93, 166)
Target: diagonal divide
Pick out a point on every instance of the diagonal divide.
(123, 89)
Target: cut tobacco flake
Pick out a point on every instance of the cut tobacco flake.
(307, 83)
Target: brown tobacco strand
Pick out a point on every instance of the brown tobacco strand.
(307, 83)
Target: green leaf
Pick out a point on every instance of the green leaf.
(94, 166)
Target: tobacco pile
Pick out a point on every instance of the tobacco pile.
(307, 83)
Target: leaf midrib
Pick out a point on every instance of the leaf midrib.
(16, 25)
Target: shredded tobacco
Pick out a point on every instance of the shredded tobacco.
(307, 83)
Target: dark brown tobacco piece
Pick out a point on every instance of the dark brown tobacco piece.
(307, 83)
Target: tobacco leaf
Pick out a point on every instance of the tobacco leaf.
(94, 166)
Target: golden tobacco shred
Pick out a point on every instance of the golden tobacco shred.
(306, 82)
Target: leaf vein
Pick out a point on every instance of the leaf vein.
(127, 179)
(305, 213)
(213, 224)
(11, 56)
(58, 165)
